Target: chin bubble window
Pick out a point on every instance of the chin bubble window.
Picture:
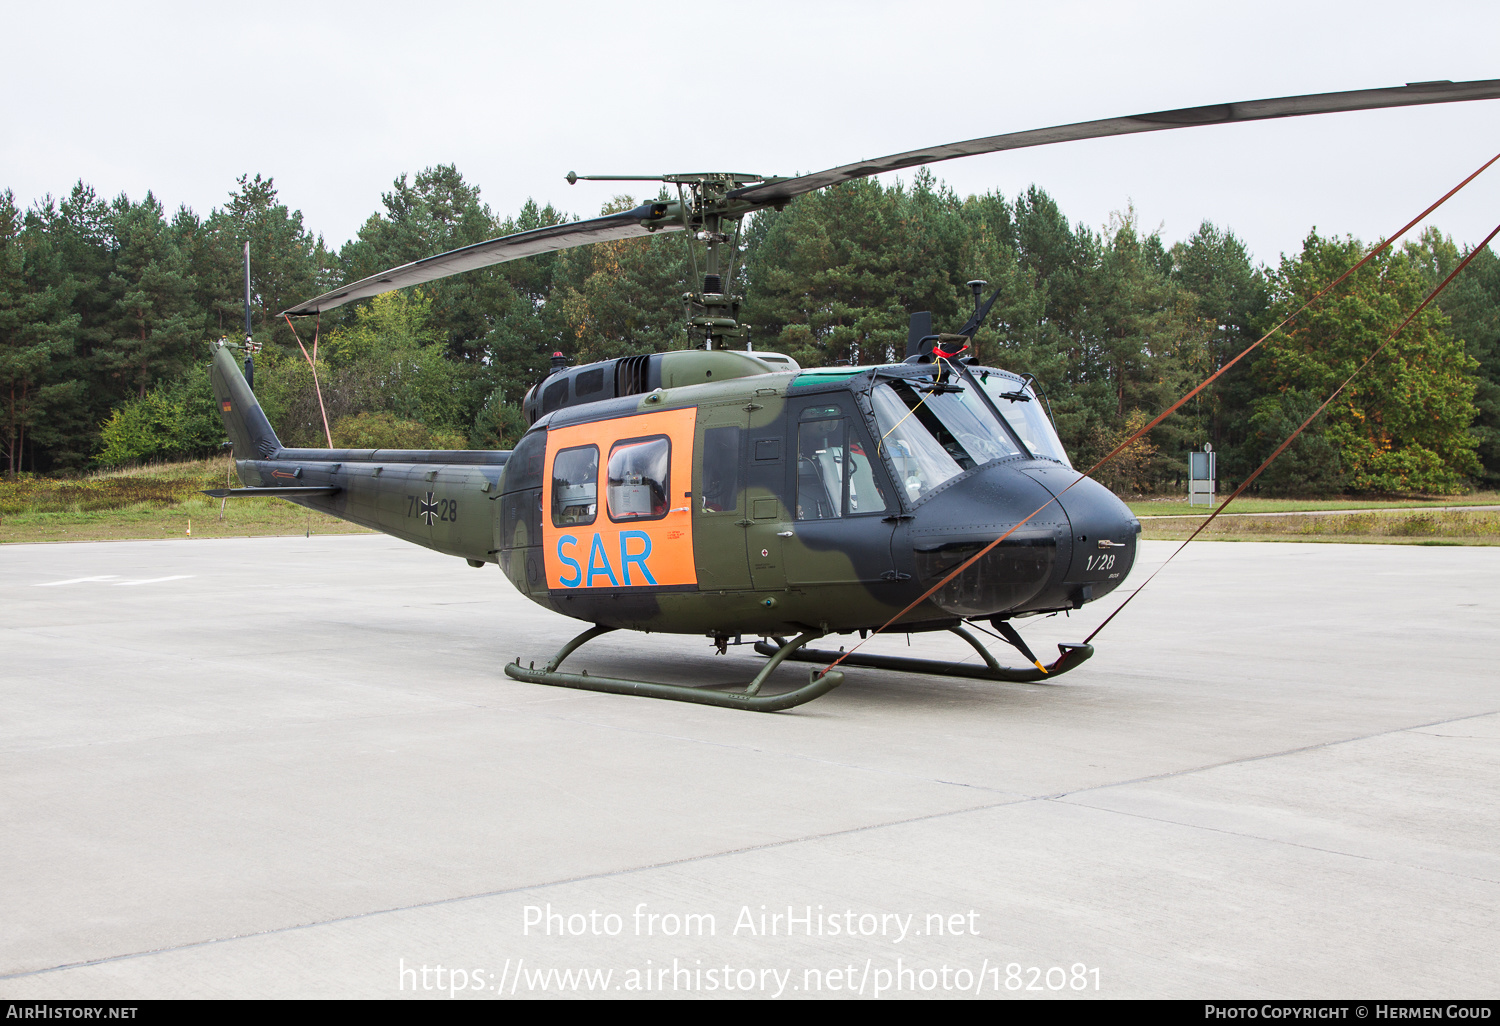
(638, 485)
(575, 486)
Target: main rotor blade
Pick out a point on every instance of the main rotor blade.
(1187, 117)
(627, 224)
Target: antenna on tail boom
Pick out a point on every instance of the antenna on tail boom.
(250, 345)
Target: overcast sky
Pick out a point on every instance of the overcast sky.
(335, 100)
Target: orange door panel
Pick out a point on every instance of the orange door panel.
(608, 518)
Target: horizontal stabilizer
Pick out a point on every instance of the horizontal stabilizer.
(273, 493)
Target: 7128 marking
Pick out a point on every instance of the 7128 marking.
(430, 509)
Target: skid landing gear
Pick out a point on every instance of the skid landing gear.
(1071, 656)
(750, 698)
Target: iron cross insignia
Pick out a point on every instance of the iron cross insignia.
(427, 509)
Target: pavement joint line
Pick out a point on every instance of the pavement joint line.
(748, 849)
(1468, 737)
(772, 753)
(1060, 798)
(1413, 729)
(1274, 840)
(768, 752)
(502, 892)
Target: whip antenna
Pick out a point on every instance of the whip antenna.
(250, 345)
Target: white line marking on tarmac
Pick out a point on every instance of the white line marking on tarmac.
(154, 580)
(78, 580)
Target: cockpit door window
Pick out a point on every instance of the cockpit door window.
(834, 474)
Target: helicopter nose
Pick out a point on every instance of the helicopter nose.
(1102, 539)
(1078, 548)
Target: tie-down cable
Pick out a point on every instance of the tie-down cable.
(1316, 297)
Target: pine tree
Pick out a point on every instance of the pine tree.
(155, 320)
(620, 298)
(435, 212)
(36, 337)
(287, 263)
(1229, 304)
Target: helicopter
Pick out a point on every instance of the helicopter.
(723, 491)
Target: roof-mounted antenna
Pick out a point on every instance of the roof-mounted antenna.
(981, 311)
(977, 285)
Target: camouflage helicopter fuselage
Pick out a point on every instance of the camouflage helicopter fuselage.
(717, 493)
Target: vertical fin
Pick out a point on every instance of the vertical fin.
(244, 420)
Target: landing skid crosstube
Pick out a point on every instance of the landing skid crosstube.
(749, 698)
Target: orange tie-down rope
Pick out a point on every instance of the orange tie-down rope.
(312, 361)
(1375, 251)
(1293, 436)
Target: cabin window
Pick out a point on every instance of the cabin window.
(575, 486)
(721, 469)
(554, 395)
(588, 382)
(638, 479)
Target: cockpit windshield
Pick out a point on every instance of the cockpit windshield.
(972, 423)
(934, 432)
(921, 463)
(1025, 413)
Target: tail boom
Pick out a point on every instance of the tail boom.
(437, 498)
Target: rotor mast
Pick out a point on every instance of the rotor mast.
(708, 215)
